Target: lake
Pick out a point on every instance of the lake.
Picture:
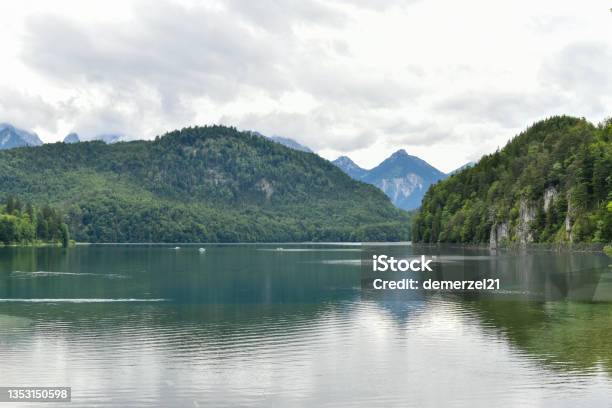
(289, 325)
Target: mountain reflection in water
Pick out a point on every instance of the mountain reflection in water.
(242, 325)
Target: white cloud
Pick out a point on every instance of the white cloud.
(25, 110)
(446, 80)
(580, 72)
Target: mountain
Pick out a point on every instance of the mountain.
(465, 166)
(200, 184)
(72, 138)
(108, 138)
(402, 177)
(550, 183)
(349, 167)
(285, 141)
(11, 137)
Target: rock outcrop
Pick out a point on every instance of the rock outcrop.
(550, 194)
(569, 220)
(499, 233)
(527, 215)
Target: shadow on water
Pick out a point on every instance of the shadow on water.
(561, 334)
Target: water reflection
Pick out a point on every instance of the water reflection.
(259, 328)
(565, 335)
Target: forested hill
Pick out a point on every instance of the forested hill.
(551, 183)
(199, 184)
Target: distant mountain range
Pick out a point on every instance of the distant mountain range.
(402, 177)
(107, 138)
(460, 169)
(350, 167)
(285, 141)
(11, 136)
(72, 138)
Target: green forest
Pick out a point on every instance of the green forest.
(552, 183)
(199, 184)
(25, 224)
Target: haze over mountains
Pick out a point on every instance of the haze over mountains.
(285, 141)
(464, 167)
(72, 138)
(107, 138)
(11, 136)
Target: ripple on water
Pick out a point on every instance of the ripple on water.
(51, 274)
(81, 300)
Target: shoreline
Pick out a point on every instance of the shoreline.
(38, 245)
(548, 247)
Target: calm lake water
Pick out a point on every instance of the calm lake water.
(251, 325)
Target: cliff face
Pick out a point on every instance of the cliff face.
(549, 196)
(527, 215)
(522, 233)
(499, 235)
(569, 220)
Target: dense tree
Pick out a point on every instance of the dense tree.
(28, 226)
(212, 184)
(566, 157)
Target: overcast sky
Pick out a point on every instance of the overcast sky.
(447, 80)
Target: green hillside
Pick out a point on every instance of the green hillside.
(211, 184)
(551, 183)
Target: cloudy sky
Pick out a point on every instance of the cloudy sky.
(447, 80)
